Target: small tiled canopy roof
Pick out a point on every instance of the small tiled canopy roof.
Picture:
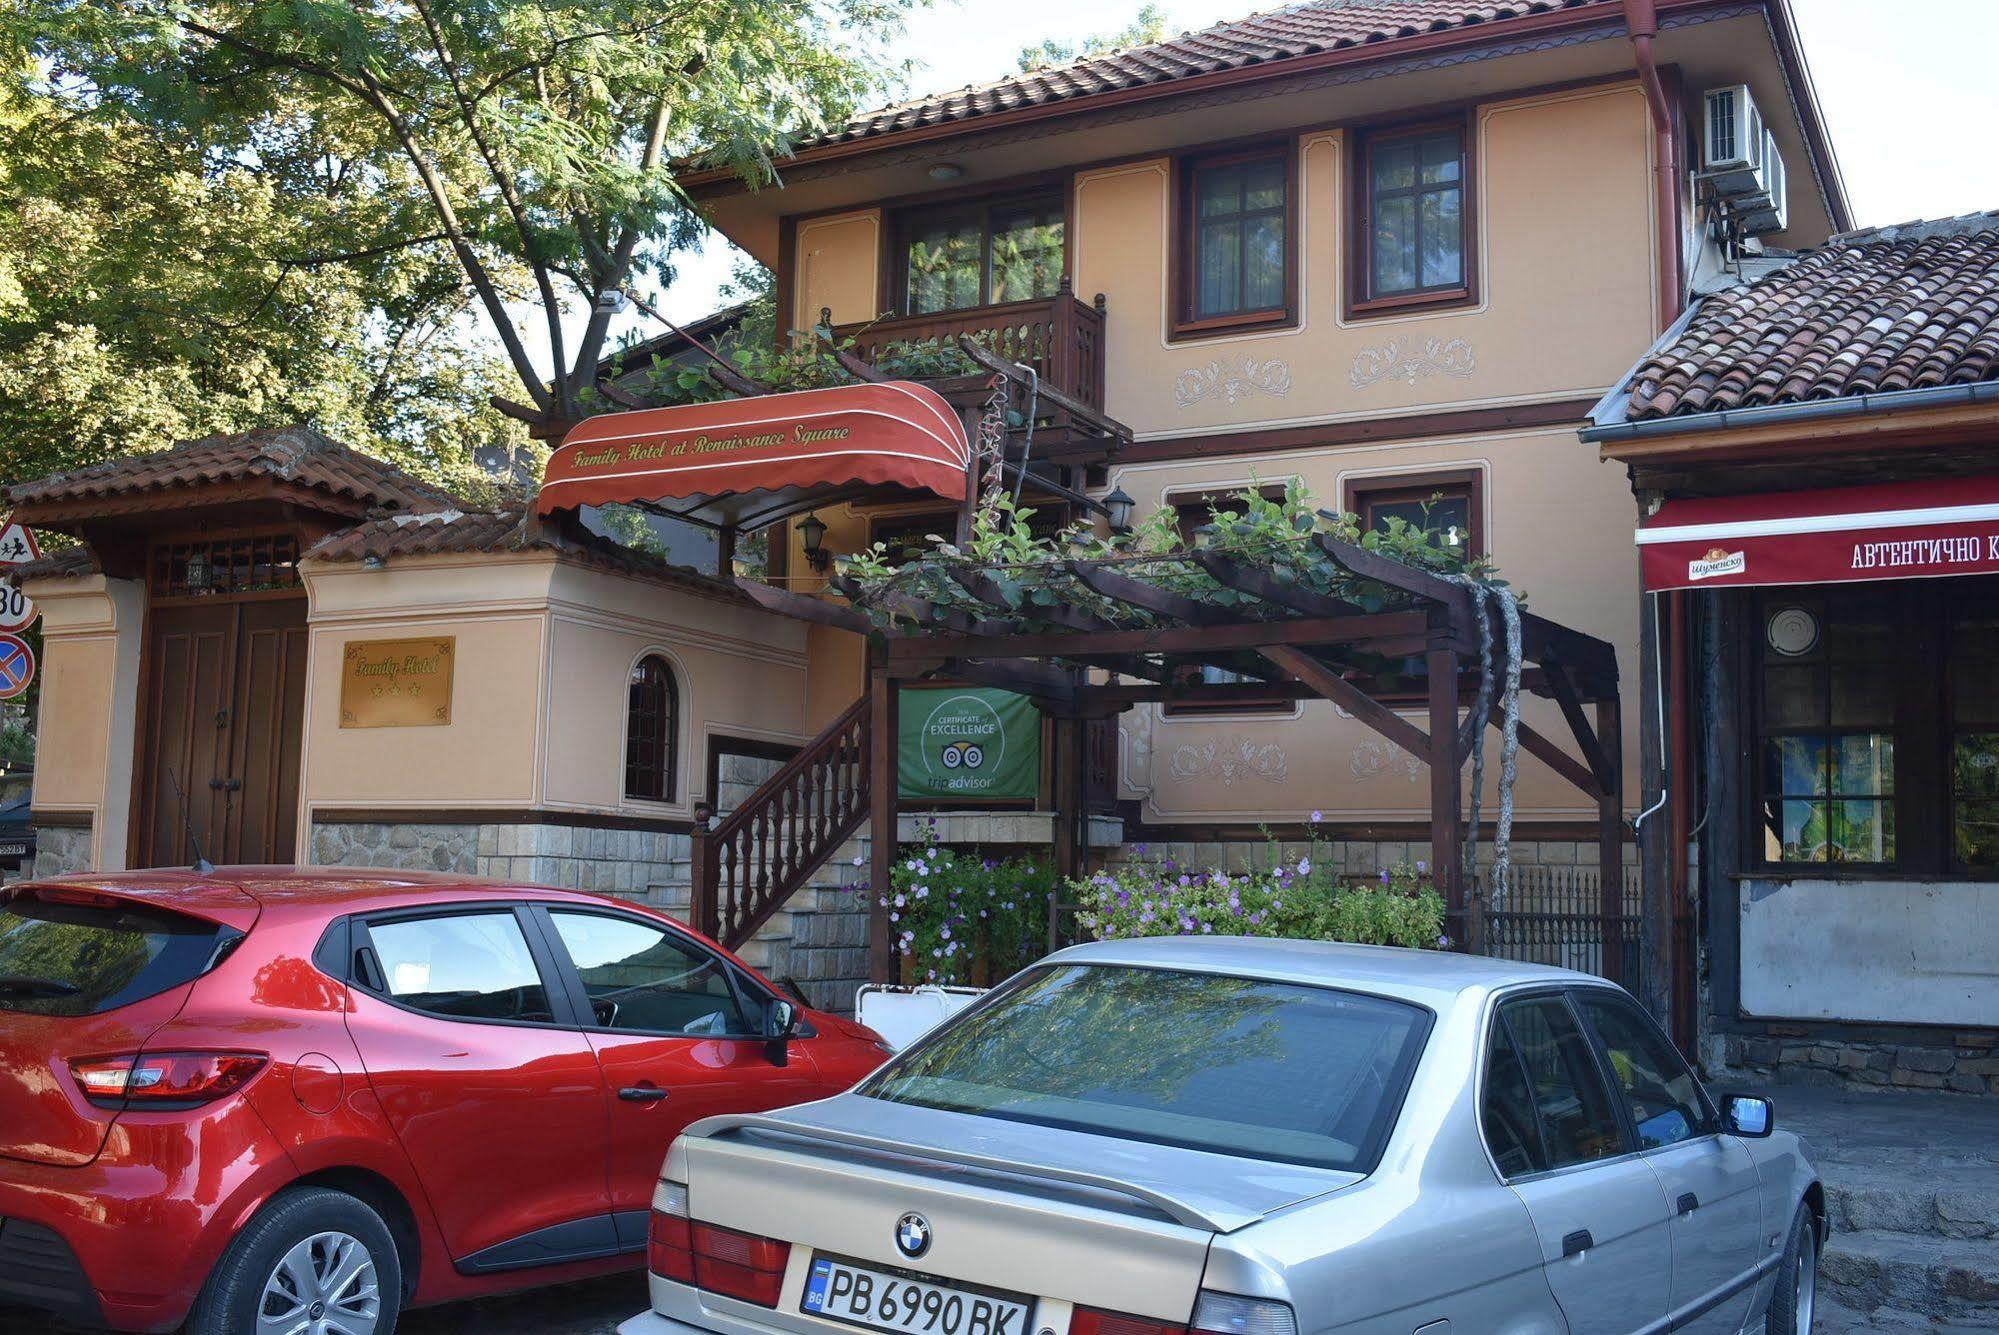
(69, 563)
(1261, 39)
(1914, 306)
(501, 532)
(297, 455)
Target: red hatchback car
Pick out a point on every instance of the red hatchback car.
(275, 1099)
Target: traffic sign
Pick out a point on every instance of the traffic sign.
(17, 666)
(17, 545)
(17, 609)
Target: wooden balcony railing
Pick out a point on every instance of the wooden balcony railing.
(1059, 336)
(754, 859)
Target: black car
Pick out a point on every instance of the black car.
(17, 835)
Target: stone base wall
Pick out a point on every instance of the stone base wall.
(1964, 1063)
(646, 867)
(62, 849)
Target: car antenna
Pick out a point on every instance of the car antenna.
(201, 864)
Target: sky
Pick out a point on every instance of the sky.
(1909, 103)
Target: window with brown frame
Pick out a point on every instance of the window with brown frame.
(1451, 505)
(1193, 512)
(1877, 727)
(652, 732)
(982, 253)
(266, 563)
(1236, 245)
(1413, 211)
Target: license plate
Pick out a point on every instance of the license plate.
(887, 1300)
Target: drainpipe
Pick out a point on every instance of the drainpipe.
(1641, 22)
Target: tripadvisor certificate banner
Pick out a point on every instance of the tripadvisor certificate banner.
(968, 744)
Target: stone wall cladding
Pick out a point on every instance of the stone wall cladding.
(62, 849)
(1965, 1062)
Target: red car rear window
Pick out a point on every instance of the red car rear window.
(66, 958)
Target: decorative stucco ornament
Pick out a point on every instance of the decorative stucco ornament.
(1232, 382)
(1397, 359)
(1378, 758)
(1230, 762)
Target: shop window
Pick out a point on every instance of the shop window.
(1828, 728)
(1236, 264)
(982, 254)
(1450, 505)
(652, 729)
(1412, 232)
(1877, 717)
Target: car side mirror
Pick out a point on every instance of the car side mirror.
(1748, 1115)
(780, 1023)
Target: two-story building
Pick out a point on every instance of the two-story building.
(1392, 251)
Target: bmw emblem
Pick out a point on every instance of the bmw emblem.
(912, 1234)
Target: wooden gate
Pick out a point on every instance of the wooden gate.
(223, 718)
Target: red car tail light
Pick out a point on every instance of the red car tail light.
(670, 1240)
(163, 1080)
(739, 1265)
(1090, 1321)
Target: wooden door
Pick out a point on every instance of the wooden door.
(224, 719)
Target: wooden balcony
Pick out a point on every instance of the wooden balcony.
(1059, 336)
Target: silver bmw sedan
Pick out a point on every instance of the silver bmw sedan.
(1214, 1136)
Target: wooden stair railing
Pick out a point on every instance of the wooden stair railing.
(748, 864)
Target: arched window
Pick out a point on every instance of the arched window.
(652, 726)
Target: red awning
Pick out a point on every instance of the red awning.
(1894, 530)
(747, 462)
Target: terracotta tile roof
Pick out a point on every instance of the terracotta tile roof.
(69, 563)
(499, 532)
(1913, 306)
(1260, 39)
(299, 455)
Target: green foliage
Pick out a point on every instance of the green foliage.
(1278, 535)
(1148, 26)
(17, 747)
(953, 914)
(530, 143)
(1301, 900)
(151, 292)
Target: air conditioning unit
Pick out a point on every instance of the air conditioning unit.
(1733, 141)
(1766, 209)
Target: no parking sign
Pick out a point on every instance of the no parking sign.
(17, 666)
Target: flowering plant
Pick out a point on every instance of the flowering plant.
(956, 917)
(1302, 899)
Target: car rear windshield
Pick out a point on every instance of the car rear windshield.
(1240, 1066)
(63, 958)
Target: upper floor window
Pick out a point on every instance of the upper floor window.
(1414, 229)
(982, 254)
(1194, 512)
(1236, 263)
(652, 729)
(1449, 505)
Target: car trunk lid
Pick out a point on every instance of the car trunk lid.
(1063, 1215)
(87, 971)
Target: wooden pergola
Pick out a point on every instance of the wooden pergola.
(1114, 638)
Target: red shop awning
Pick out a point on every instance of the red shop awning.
(1893, 530)
(747, 462)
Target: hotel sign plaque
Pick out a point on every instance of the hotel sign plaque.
(397, 683)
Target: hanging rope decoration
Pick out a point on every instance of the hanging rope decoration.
(992, 440)
(1481, 715)
(1509, 746)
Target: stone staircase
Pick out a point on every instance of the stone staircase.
(1912, 1193)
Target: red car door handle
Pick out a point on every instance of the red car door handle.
(642, 1094)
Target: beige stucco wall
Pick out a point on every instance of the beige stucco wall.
(1557, 523)
(740, 670)
(544, 656)
(91, 629)
(1565, 300)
